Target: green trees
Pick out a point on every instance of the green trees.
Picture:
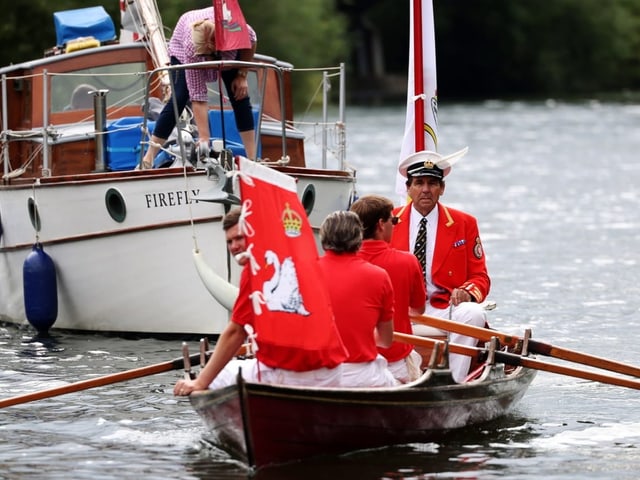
(485, 48)
(527, 47)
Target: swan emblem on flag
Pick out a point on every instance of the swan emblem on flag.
(281, 291)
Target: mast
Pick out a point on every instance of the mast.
(421, 122)
(418, 75)
(144, 17)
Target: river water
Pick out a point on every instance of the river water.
(555, 189)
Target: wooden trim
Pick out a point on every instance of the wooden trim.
(124, 231)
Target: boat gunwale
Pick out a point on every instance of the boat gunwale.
(428, 381)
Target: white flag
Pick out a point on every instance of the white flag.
(428, 92)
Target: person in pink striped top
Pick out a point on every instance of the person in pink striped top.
(193, 41)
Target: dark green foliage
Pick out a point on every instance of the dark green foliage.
(527, 47)
(485, 48)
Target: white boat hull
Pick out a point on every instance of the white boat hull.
(137, 275)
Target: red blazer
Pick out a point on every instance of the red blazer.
(458, 258)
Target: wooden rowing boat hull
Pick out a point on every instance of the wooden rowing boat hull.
(266, 424)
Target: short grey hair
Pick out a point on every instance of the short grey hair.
(341, 232)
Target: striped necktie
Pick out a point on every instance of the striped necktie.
(420, 248)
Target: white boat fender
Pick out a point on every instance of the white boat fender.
(224, 292)
(40, 289)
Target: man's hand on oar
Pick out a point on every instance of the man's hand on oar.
(520, 361)
(534, 346)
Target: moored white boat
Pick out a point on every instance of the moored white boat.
(122, 240)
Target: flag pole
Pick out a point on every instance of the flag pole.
(418, 81)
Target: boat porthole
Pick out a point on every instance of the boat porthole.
(34, 216)
(115, 205)
(309, 198)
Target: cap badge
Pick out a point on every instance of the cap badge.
(429, 164)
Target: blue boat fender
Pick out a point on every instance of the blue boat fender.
(40, 289)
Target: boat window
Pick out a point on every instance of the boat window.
(70, 91)
(34, 215)
(116, 205)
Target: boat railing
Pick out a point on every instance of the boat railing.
(68, 112)
(325, 125)
(60, 116)
(219, 65)
(287, 124)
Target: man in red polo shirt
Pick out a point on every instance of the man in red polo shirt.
(361, 297)
(221, 369)
(406, 276)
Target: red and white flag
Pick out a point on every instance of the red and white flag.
(421, 122)
(232, 32)
(293, 312)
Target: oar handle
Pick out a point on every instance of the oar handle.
(484, 334)
(416, 340)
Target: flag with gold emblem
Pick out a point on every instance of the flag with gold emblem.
(293, 315)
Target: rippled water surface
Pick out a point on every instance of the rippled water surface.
(555, 189)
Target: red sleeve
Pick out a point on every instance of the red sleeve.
(478, 282)
(387, 299)
(242, 313)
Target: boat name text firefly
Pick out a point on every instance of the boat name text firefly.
(169, 199)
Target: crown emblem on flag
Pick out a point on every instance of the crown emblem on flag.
(292, 222)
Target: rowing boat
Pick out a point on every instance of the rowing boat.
(263, 424)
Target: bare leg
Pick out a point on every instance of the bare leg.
(249, 141)
(152, 151)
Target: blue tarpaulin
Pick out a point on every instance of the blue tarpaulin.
(83, 22)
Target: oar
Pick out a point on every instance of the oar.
(534, 346)
(520, 361)
(175, 364)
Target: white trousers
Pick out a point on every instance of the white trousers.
(469, 313)
(254, 371)
(408, 369)
(368, 374)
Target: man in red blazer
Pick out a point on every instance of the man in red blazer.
(454, 262)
